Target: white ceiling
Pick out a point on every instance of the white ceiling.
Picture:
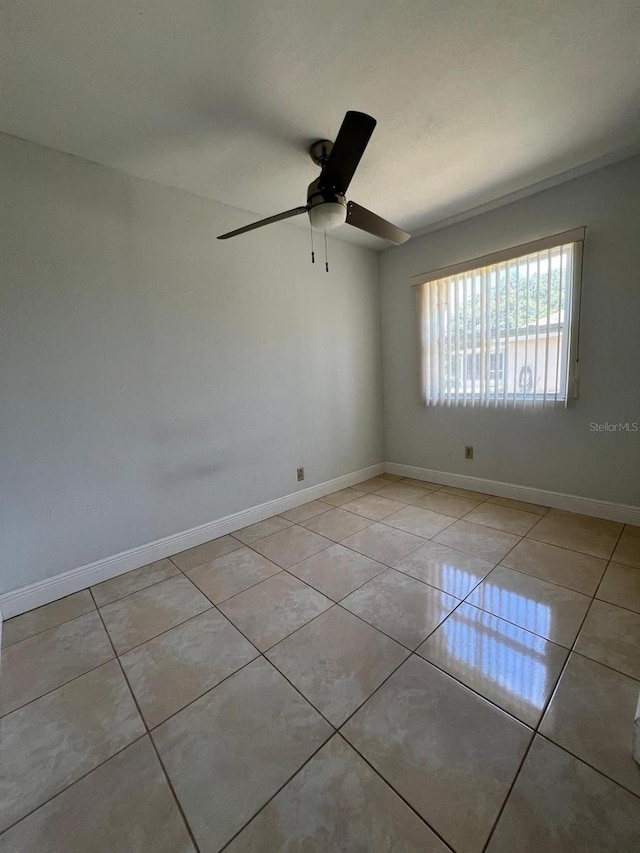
(475, 99)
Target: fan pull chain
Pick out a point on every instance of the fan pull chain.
(326, 259)
(313, 255)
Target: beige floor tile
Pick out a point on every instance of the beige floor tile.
(559, 805)
(337, 524)
(371, 485)
(402, 492)
(503, 518)
(49, 659)
(195, 557)
(511, 667)
(384, 544)
(621, 585)
(304, 512)
(611, 636)
(478, 540)
(627, 550)
(446, 504)
(445, 568)
(448, 752)
(572, 569)
(336, 802)
(421, 484)
(590, 716)
(337, 571)
(251, 534)
(228, 575)
(170, 671)
(337, 661)
(51, 742)
(393, 478)
(583, 533)
(546, 609)
(137, 618)
(231, 750)
(112, 590)
(114, 808)
(288, 547)
(404, 608)
(523, 505)
(269, 611)
(42, 618)
(372, 506)
(421, 522)
(341, 497)
(466, 493)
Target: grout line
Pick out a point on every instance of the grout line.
(605, 665)
(240, 591)
(394, 789)
(284, 785)
(44, 630)
(51, 627)
(584, 761)
(260, 654)
(619, 606)
(70, 680)
(552, 695)
(153, 745)
(71, 784)
(545, 580)
(57, 687)
(526, 753)
(211, 687)
(383, 568)
(508, 794)
(166, 630)
(174, 795)
(389, 636)
(609, 562)
(134, 591)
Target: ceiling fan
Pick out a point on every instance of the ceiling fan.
(326, 203)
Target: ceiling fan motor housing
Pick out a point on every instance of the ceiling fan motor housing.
(320, 150)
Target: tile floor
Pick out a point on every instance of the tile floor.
(397, 666)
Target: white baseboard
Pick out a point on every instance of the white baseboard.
(557, 500)
(53, 588)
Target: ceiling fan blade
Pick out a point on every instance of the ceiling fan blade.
(286, 215)
(353, 136)
(362, 218)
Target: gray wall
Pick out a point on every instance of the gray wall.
(551, 449)
(154, 379)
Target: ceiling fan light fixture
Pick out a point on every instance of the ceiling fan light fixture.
(328, 214)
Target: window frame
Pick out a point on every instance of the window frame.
(570, 345)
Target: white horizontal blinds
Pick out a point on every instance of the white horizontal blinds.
(498, 335)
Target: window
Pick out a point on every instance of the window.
(501, 330)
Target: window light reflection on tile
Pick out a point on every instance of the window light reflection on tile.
(458, 582)
(523, 611)
(511, 657)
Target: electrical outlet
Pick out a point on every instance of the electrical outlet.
(468, 452)
(300, 474)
